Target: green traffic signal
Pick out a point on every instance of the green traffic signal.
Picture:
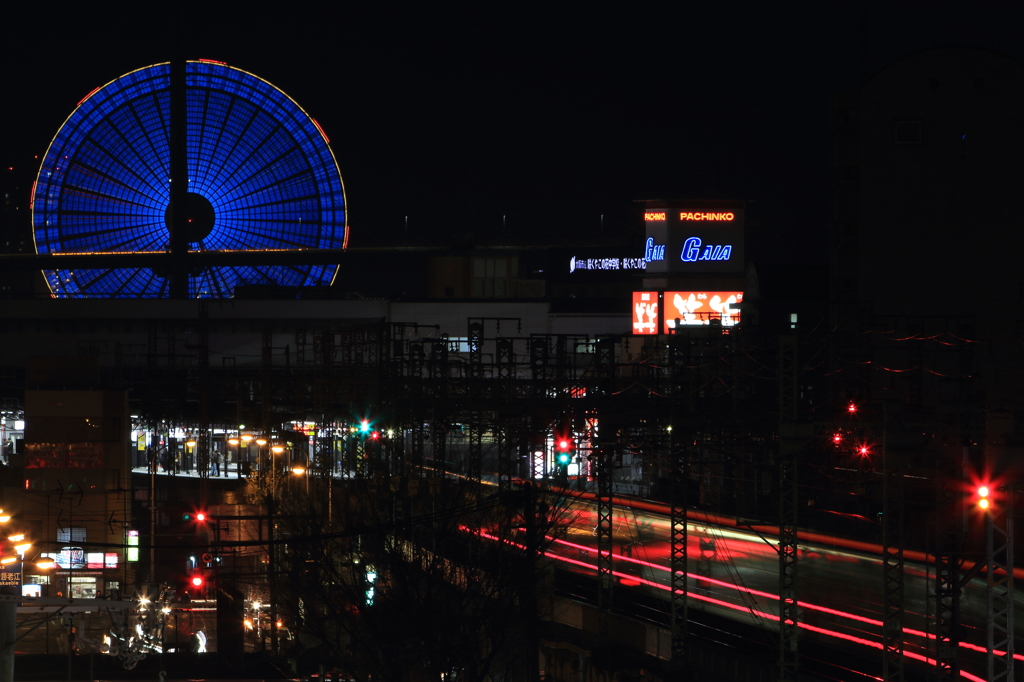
(564, 458)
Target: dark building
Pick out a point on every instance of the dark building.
(926, 269)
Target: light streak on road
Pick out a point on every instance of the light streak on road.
(629, 579)
(757, 593)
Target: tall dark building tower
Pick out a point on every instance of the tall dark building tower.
(927, 239)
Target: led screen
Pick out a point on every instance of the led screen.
(693, 308)
(645, 312)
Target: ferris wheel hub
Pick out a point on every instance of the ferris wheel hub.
(199, 218)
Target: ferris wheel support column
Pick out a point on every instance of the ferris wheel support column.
(179, 180)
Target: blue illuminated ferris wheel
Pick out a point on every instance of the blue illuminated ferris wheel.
(261, 177)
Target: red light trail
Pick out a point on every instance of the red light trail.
(769, 595)
(635, 580)
(804, 536)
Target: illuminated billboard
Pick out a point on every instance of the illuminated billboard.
(694, 239)
(692, 308)
(645, 312)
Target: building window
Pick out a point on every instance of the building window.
(793, 318)
(909, 131)
(71, 535)
(458, 344)
(490, 277)
(586, 347)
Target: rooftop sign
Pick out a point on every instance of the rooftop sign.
(685, 240)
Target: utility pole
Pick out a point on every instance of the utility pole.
(892, 550)
(789, 394)
(607, 440)
(679, 472)
(947, 569)
(999, 588)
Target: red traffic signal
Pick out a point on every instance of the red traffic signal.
(983, 497)
(564, 444)
(200, 516)
(196, 581)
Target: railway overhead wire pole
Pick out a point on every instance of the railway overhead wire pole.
(892, 550)
(999, 588)
(789, 392)
(679, 472)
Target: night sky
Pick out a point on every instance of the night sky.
(457, 116)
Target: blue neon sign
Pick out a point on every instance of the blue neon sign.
(692, 251)
(653, 251)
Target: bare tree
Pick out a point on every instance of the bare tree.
(409, 578)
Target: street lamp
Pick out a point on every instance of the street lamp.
(238, 455)
(299, 471)
(260, 442)
(190, 452)
(246, 439)
(276, 450)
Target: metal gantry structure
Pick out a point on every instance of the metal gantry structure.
(718, 420)
(788, 476)
(893, 510)
(999, 588)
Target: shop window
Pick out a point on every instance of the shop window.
(82, 587)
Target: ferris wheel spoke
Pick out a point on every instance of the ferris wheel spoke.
(151, 126)
(261, 239)
(121, 154)
(238, 126)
